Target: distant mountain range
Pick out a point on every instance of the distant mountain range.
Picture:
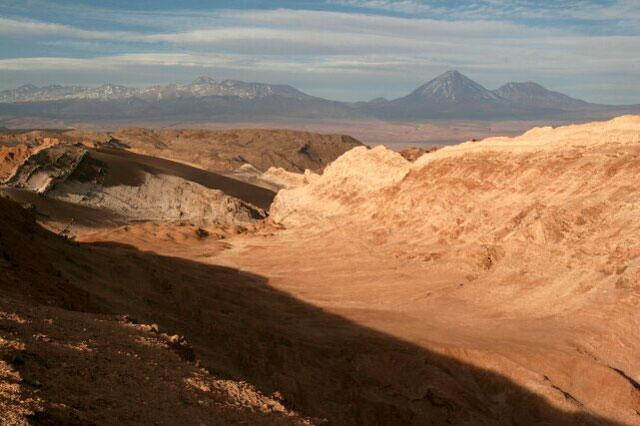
(201, 87)
(448, 96)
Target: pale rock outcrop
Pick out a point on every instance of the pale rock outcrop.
(538, 202)
(288, 180)
(348, 181)
(127, 189)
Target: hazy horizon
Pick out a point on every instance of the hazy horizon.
(346, 50)
(186, 82)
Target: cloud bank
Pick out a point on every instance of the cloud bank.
(345, 50)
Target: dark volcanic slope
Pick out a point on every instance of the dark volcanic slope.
(125, 160)
(61, 212)
(71, 186)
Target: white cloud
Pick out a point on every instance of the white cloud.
(625, 11)
(25, 29)
(314, 34)
(382, 25)
(114, 61)
(335, 45)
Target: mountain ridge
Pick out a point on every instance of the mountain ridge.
(531, 92)
(201, 86)
(449, 86)
(450, 95)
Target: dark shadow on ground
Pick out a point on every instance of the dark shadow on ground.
(59, 211)
(324, 365)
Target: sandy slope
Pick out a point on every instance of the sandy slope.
(523, 249)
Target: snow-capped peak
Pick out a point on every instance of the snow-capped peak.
(453, 86)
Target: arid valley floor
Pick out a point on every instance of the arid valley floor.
(215, 277)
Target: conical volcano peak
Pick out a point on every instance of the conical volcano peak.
(453, 86)
(451, 74)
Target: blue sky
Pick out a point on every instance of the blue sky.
(338, 49)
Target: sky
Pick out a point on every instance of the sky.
(338, 49)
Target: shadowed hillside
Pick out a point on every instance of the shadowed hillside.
(78, 360)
